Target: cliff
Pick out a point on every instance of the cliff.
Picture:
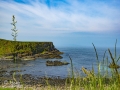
(39, 49)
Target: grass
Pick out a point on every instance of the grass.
(7, 88)
(91, 81)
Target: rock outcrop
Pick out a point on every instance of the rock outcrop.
(56, 63)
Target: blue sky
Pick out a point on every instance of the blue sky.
(67, 23)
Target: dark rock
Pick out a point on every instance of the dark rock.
(58, 57)
(28, 58)
(37, 55)
(56, 63)
(2, 73)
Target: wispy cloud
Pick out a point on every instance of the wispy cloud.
(37, 17)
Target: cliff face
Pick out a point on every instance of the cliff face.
(8, 47)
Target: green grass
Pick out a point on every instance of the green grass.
(1, 88)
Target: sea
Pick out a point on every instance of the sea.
(80, 56)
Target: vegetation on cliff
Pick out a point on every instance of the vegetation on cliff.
(30, 48)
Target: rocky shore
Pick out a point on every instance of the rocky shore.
(16, 80)
(14, 77)
(25, 56)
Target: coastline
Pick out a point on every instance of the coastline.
(9, 50)
(24, 79)
(25, 51)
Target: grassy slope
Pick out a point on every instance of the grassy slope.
(8, 47)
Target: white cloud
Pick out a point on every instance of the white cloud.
(37, 18)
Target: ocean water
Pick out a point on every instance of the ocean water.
(81, 57)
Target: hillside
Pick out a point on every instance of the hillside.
(8, 48)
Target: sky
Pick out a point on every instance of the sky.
(66, 23)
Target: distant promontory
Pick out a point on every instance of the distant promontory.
(27, 50)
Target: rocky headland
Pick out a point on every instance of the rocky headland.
(27, 50)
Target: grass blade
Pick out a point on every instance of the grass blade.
(95, 52)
